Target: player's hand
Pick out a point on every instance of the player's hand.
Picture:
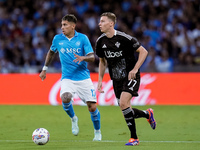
(99, 87)
(78, 58)
(132, 74)
(43, 75)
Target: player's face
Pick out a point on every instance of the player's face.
(67, 28)
(105, 24)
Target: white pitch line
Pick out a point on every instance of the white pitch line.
(105, 141)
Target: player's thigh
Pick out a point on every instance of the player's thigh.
(67, 86)
(125, 85)
(85, 90)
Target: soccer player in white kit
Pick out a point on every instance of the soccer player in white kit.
(75, 51)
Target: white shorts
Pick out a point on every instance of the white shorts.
(84, 89)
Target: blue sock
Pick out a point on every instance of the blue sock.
(68, 108)
(95, 117)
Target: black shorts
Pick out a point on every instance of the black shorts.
(125, 85)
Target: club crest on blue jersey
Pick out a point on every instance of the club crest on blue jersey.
(78, 43)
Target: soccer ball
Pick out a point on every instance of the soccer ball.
(40, 136)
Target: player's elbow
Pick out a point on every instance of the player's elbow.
(143, 51)
(92, 59)
(146, 52)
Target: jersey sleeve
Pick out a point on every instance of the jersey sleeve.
(98, 49)
(53, 45)
(135, 43)
(87, 46)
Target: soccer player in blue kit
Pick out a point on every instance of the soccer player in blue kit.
(75, 51)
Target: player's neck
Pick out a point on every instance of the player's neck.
(70, 35)
(110, 33)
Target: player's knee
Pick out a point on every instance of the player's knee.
(122, 105)
(66, 97)
(91, 106)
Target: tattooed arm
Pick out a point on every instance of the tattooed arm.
(48, 60)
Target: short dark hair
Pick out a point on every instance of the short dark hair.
(70, 18)
(111, 16)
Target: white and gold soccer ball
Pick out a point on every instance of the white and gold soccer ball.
(40, 136)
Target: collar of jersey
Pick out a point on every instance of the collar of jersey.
(115, 32)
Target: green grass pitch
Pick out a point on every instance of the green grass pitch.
(178, 128)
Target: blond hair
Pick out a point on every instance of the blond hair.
(111, 16)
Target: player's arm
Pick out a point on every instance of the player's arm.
(141, 58)
(102, 68)
(48, 60)
(88, 58)
(87, 50)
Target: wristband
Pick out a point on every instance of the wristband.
(45, 68)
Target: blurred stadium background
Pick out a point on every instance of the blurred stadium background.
(168, 29)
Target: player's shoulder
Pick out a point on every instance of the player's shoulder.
(124, 35)
(100, 37)
(81, 35)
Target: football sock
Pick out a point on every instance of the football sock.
(129, 117)
(95, 117)
(68, 108)
(140, 113)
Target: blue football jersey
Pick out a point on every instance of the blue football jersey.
(79, 45)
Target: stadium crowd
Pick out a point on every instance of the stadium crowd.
(168, 29)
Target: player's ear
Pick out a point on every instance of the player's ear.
(111, 24)
(73, 25)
